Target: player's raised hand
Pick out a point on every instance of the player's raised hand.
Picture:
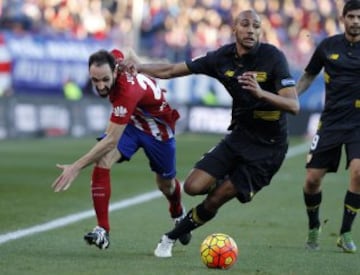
(131, 62)
(68, 175)
(129, 65)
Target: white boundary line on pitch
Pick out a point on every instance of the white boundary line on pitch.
(70, 219)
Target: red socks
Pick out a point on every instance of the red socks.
(101, 191)
(175, 201)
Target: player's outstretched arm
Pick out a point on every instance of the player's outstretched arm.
(164, 70)
(103, 147)
(158, 70)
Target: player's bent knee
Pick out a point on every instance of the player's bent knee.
(192, 189)
(189, 190)
(312, 185)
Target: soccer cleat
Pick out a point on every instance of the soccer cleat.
(312, 242)
(346, 242)
(98, 237)
(184, 239)
(164, 247)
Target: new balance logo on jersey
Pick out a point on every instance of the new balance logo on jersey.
(334, 56)
(120, 111)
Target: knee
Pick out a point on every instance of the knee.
(312, 183)
(103, 163)
(194, 186)
(198, 182)
(190, 187)
(356, 175)
(355, 180)
(165, 185)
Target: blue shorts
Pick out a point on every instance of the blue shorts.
(161, 154)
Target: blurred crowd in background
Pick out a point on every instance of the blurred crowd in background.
(45, 45)
(176, 29)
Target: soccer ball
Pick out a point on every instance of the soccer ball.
(218, 250)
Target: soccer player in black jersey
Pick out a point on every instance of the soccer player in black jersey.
(339, 125)
(257, 77)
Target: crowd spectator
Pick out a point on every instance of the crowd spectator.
(176, 29)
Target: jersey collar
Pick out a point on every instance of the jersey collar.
(350, 44)
(252, 52)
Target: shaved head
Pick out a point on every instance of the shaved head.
(247, 14)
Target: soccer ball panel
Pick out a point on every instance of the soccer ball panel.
(218, 250)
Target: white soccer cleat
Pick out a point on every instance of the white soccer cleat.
(164, 247)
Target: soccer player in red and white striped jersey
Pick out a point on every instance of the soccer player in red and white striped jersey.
(141, 117)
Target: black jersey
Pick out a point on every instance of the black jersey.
(341, 62)
(262, 119)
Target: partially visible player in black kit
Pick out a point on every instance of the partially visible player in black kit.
(257, 77)
(339, 124)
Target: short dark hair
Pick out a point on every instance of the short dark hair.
(351, 5)
(102, 57)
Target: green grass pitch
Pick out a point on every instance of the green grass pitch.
(270, 231)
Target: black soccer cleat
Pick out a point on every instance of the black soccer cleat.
(98, 237)
(184, 239)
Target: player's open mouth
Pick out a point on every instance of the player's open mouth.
(249, 39)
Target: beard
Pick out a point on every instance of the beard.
(104, 95)
(353, 31)
(106, 91)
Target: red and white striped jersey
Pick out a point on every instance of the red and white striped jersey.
(139, 100)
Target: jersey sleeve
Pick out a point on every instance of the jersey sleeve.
(203, 64)
(316, 64)
(125, 99)
(282, 73)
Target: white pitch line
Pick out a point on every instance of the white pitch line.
(76, 217)
(70, 219)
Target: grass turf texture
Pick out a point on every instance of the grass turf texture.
(270, 231)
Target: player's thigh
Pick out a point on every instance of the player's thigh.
(353, 163)
(352, 151)
(218, 161)
(129, 143)
(249, 177)
(326, 148)
(327, 159)
(213, 165)
(161, 155)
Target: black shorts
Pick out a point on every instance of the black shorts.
(326, 148)
(249, 165)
